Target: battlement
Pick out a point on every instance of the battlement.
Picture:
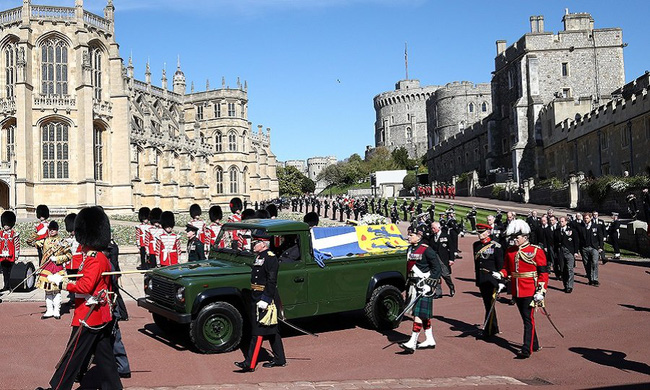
(40, 13)
(463, 88)
(404, 96)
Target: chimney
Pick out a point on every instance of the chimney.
(501, 46)
(540, 23)
(533, 24)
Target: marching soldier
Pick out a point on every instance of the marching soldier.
(56, 253)
(195, 214)
(525, 265)
(265, 300)
(454, 229)
(488, 258)
(441, 244)
(91, 322)
(216, 215)
(348, 210)
(613, 234)
(152, 235)
(195, 251)
(566, 243)
(236, 240)
(168, 244)
(423, 272)
(141, 236)
(318, 206)
(9, 246)
(42, 214)
(471, 216)
(404, 209)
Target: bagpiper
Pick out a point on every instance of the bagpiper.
(168, 244)
(141, 236)
(9, 246)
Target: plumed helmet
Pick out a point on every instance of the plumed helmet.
(8, 218)
(143, 213)
(154, 216)
(481, 227)
(311, 219)
(517, 227)
(195, 210)
(262, 214)
(53, 225)
(92, 228)
(272, 209)
(215, 213)
(42, 211)
(247, 214)
(69, 222)
(235, 205)
(167, 219)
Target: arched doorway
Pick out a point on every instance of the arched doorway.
(4, 195)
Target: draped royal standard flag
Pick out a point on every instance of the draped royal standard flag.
(341, 241)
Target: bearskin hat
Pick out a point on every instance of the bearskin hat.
(154, 215)
(53, 225)
(92, 228)
(215, 213)
(262, 214)
(235, 205)
(517, 227)
(273, 210)
(69, 222)
(42, 211)
(143, 213)
(195, 210)
(167, 219)
(8, 218)
(247, 214)
(311, 219)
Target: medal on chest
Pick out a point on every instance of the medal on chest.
(259, 262)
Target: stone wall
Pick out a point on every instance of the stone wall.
(549, 196)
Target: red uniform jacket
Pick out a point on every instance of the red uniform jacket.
(141, 235)
(527, 267)
(213, 231)
(168, 249)
(152, 235)
(77, 254)
(41, 230)
(202, 234)
(9, 245)
(91, 283)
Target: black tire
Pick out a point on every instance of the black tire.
(383, 307)
(217, 328)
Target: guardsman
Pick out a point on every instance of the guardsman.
(195, 251)
(72, 266)
(42, 214)
(216, 215)
(318, 206)
(195, 214)
(152, 235)
(92, 319)
(525, 265)
(386, 207)
(168, 244)
(471, 216)
(141, 236)
(372, 205)
(327, 207)
(441, 244)
(566, 243)
(265, 306)
(236, 239)
(56, 252)
(613, 234)
(9, 246)
(423, 273)
(405, 210)
(348, 210)
(488, 258)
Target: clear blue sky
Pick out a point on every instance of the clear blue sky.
(292, 52)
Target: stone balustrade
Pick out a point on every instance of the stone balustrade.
(102, 108)
(10, 16)
(55, 102)
(48, 12)
(7, 105)
(96, 21)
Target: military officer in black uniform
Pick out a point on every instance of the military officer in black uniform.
(488, 258)
(471, 217)
(327, 207)
(440, 243)
(264, 298)
(195, 249)
(385, 207)
(404, 210)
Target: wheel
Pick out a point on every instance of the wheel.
(385, 304)
(217, 328)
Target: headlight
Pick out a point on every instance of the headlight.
(180, 297)
(149, 285)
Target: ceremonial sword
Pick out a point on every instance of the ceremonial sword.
(551, 321)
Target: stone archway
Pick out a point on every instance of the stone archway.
(4, 195)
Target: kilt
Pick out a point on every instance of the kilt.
(424, 308)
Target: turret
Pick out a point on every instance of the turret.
(164, 77)
(147, 74)
(179, 79)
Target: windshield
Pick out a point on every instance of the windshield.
(236, 242)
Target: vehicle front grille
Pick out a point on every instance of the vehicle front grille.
(162, 291)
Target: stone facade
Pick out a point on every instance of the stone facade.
(401, 118)
(300, 165)
(79, 130)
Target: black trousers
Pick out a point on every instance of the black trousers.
(614, 240)
(527, 313)
(143, 258)
(276, 346)
(86, 343)
(152, 261)
(487, 292)
(6, 273)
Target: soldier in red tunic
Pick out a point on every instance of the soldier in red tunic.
(214, 228)
(168, 243)
(152, 235)
(42, 213)
(141, 236)
(9, 246)
(92, 320)
(202, 233)
(72, 266)
(525, 265)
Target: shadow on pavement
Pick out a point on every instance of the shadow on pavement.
(610, 358)
(465, 279)
(635, 308)
(472, 293)
(177, 342)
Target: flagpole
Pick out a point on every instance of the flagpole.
(406, 59)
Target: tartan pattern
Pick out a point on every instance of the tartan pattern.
(424, 308)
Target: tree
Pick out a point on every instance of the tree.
(409, 181)
(330, 175)
(380, 160)
(307, 185)
(402, 160)
(290, 181)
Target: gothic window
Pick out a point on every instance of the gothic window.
(217, 142)
(217, 110)
(98, 152)
(243, 110)
(55, 150)
(470, 108)
(11, 57)
(199, 112)
(54, 68)
(96, 71)
(219, 177)
(510, 79)
(232, 141)
(409, 135)
(10, 139)
(234, 180)
(136, 161)
(484, 107)
(231, 109)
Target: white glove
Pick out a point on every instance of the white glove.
(55, 278)
(497, 275)
(262, 305)
(501, 287)
(91, 301)
(425, 289)
(538, 297)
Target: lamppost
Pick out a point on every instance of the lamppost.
(417, 183)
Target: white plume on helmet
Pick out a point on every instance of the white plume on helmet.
(517, 226)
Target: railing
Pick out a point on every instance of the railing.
(11, 16)
(52, 13)
(102, 107)
(7, 105)
(54, 101)
(6, 167)
(96, 21)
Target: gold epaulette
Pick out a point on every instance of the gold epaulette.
(496, 244)
(271, 253)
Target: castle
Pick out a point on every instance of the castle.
(78, 129)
